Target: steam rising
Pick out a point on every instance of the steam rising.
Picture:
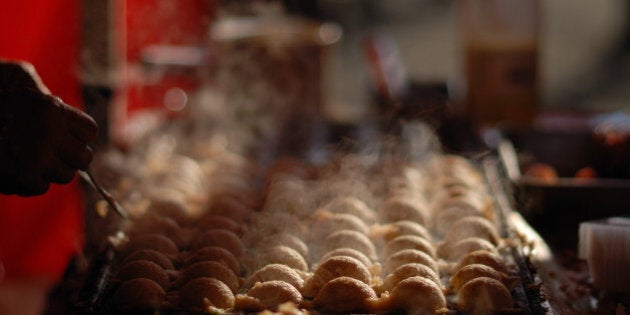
(226, 159)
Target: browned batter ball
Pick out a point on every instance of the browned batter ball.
(153, 241)
(408, 256)
(270, 294)
(276, 272)
(214, 253)
(221, 238)
(335, 267)
(408, 242)
(407, 271)
(469, 272)
(137, 295)
(143, 269)
(345, 295)
(350, 239)
(206, 295)
(210, 269)
(418, 295)
(278, 255)
(150, 255)
(484, 296)
(485, 258)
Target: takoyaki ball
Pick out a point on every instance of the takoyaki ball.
(206, 295)
(374, 268)
(150, 255)
(154, 223)
(287, 195)
(484, 296)
(231, 207)
(221, 238)
(398, 185)
(473, 227)
(348, 252)
(485, 258)
(443, 218)
(326, 222)
(214, 253)
(162, 193)
(278, 255)
(173, 209)
(350, 239)
(457, 180)
(407, 271)
(291, 166)
(213, 221)
(276, 272)
(399, 228)
(334, 267)
(230, 180)
(139, 294)
(268, 295)
(460, 167)
(408, 256)
(344, 295)
(409, 180)
(210, 269)
(236, 187)
(153, 241)
(351, 205)
(418, 295)
(454, 251)
(404, 208)
(463, 198)
(479, 201)
(232, 161)
(467, 273)
(450, 161)
(143, 269)
(268, 223)
(412, 176)
(408, 242)
(285, 239)
(468, 195)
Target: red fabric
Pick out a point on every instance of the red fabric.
(143, 23)
(160, 22)
(164, 22)
(39, 234)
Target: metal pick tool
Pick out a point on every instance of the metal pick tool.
(88, 177)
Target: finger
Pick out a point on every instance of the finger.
(9, 186)
(31, 185)
(59, 172)
(80, 124)
(74, 153)
(20, 75)
(34, 77)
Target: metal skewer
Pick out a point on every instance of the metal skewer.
(88, 177)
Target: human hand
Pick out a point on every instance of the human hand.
(20, 74)
(42, 141)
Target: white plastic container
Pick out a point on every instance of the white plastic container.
(605, 245)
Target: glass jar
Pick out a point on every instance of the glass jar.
(499, 40)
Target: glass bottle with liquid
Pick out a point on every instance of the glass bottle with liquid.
(499, 42)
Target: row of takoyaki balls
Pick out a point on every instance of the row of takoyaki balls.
(175, 258)
(413, 238)
(399, 257)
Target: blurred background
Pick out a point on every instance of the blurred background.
(581, 44)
